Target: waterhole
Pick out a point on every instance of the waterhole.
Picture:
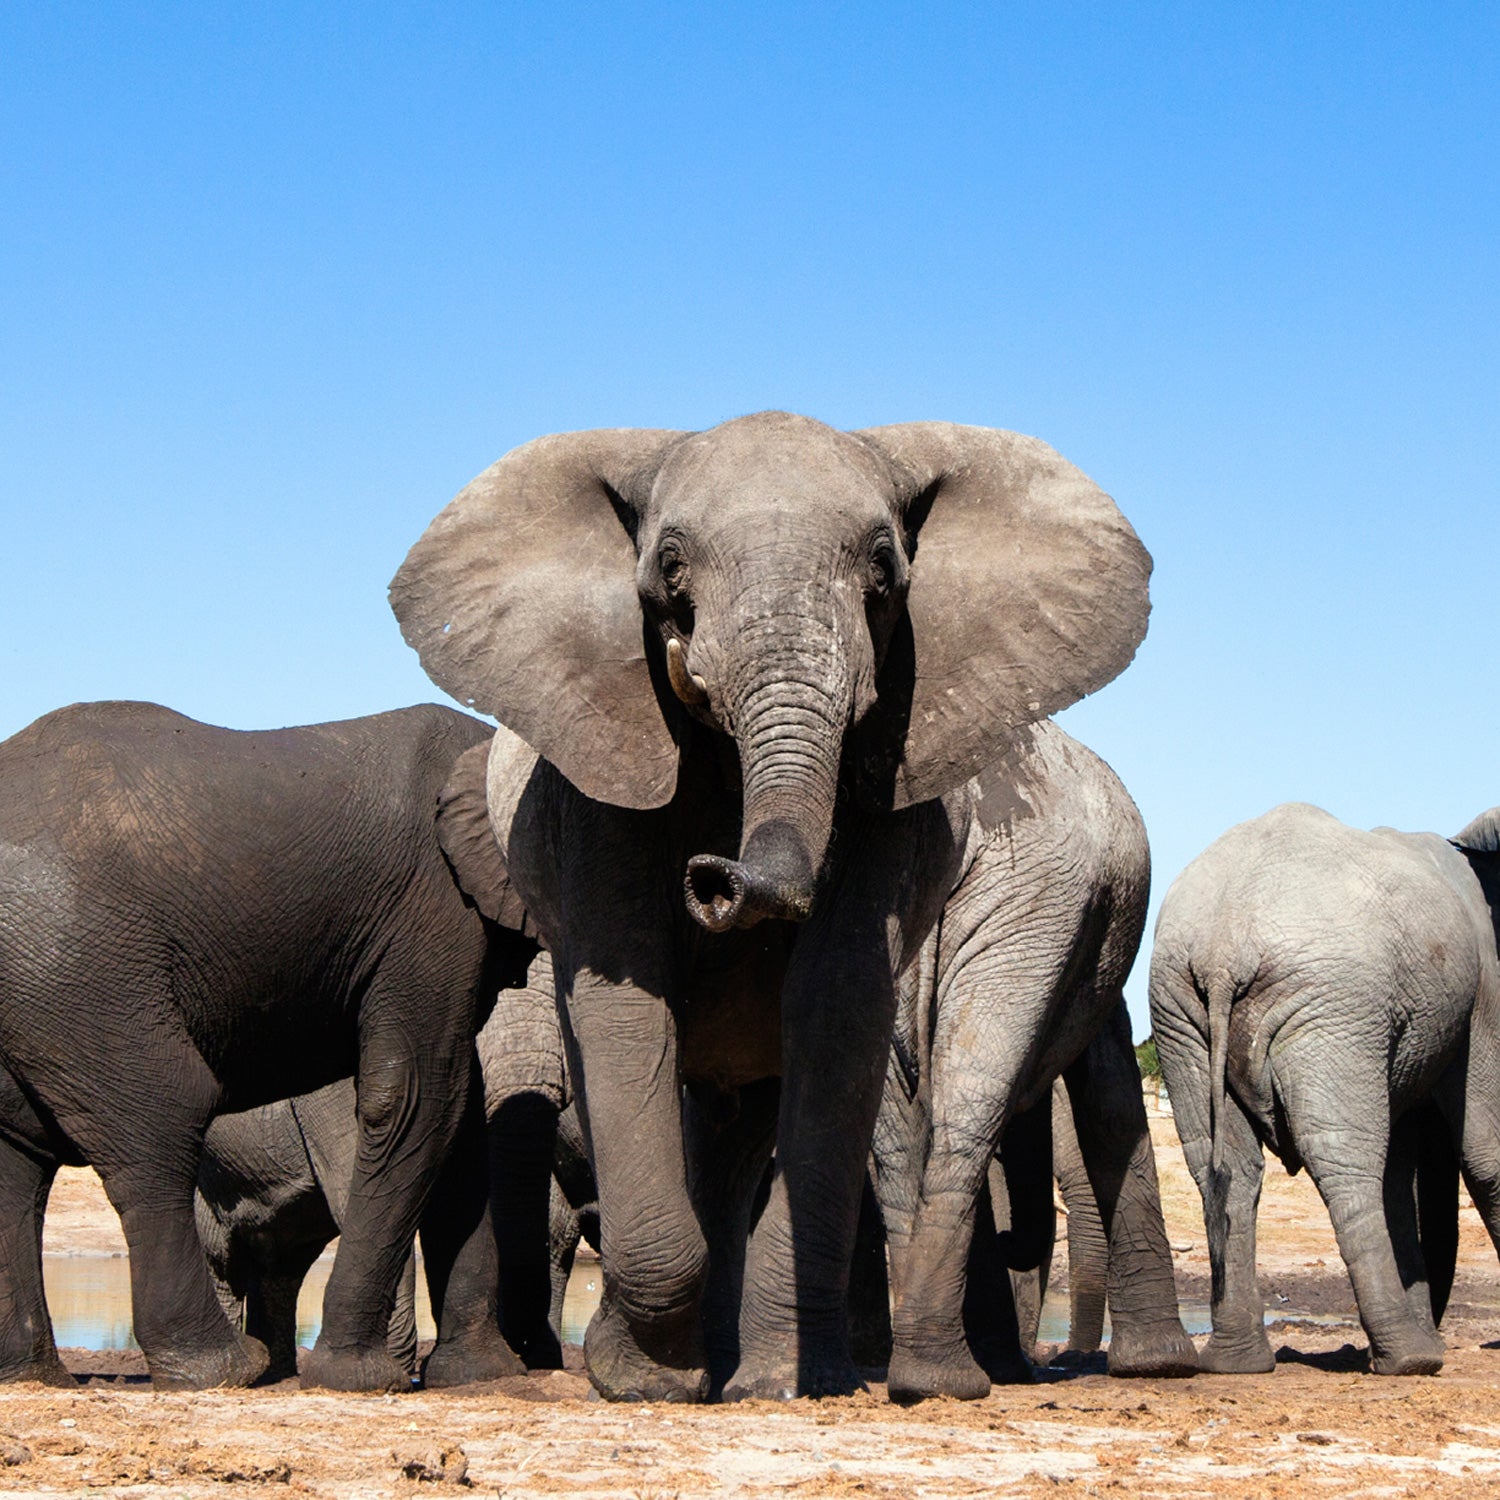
(89, 1299)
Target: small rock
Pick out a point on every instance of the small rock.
(14, 1452)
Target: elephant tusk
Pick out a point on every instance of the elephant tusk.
(688, 686)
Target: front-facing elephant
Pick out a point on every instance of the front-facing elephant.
(748, 672)
(1312, 986)
(195, 921)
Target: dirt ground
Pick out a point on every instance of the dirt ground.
(1318, 1425)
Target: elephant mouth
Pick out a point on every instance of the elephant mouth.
(723, 893)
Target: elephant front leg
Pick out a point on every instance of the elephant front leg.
(645, 1342)
(730, 1140)
(836, 1027)
(420, 1160)
(1146, 1332)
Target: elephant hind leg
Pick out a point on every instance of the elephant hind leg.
(148, 1159)
(1421, 1192)
(1345, 1138)
(27, 1348)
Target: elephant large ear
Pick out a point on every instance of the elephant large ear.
(520, 599)
(1028, 591)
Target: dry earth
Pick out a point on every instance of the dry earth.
(1317, 1425)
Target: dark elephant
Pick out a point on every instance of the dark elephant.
(748, 672)
(195, 921)
(273, 1187)
(274, 1180)
(1020, 983)
(1327, 992)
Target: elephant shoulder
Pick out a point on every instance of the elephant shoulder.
(1051, 789)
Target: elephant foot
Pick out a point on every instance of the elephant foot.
(42, 1371)
(353, 1370)
(783, 1380)
(539, 1349)
(239, 1363)
(1423, 1355)
(1250, 1356)
(471, 1361)
(620, 1370)
(1005, 1366)
(1162, 1350)
(917, 1377)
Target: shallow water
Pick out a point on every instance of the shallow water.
(89, 1297)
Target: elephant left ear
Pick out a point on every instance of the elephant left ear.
(1028, 591)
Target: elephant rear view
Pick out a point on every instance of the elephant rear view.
(197, 920)
(1311, 986)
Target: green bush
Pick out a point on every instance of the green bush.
(1147, 1060)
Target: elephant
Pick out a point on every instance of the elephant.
(743, 676)
(1331, 994)
(195, 921)
(273, 1185)
(1020, 983)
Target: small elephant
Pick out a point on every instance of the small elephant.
(273, 1187)
(746, 674)
(1021, 983)
(195, 921)
(1311, 986)
(1087, 1244)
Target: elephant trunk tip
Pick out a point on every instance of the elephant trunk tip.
(715, 891)
(774, 879)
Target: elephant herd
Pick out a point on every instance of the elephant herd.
(764, 941)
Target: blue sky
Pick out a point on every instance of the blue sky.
(275, 281)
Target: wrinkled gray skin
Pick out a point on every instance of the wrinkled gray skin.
(748, 672)
(273, 1186)
(1311, 986)
(1019, 984)
(195, 921)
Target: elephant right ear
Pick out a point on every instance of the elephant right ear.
(1482, 835)
(520, 599)
(469, 844)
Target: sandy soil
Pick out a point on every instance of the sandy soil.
(1318, 1425)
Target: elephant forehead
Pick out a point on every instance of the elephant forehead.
(773, 463)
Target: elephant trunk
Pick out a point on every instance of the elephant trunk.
(789, 726)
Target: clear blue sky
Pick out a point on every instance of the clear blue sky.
(276, 280)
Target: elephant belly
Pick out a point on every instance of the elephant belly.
(732, 1020)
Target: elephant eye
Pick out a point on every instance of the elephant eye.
(883, 567)
(674, 568)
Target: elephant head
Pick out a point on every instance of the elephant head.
(888, 605)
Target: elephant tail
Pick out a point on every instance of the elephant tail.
(1220, 1000)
